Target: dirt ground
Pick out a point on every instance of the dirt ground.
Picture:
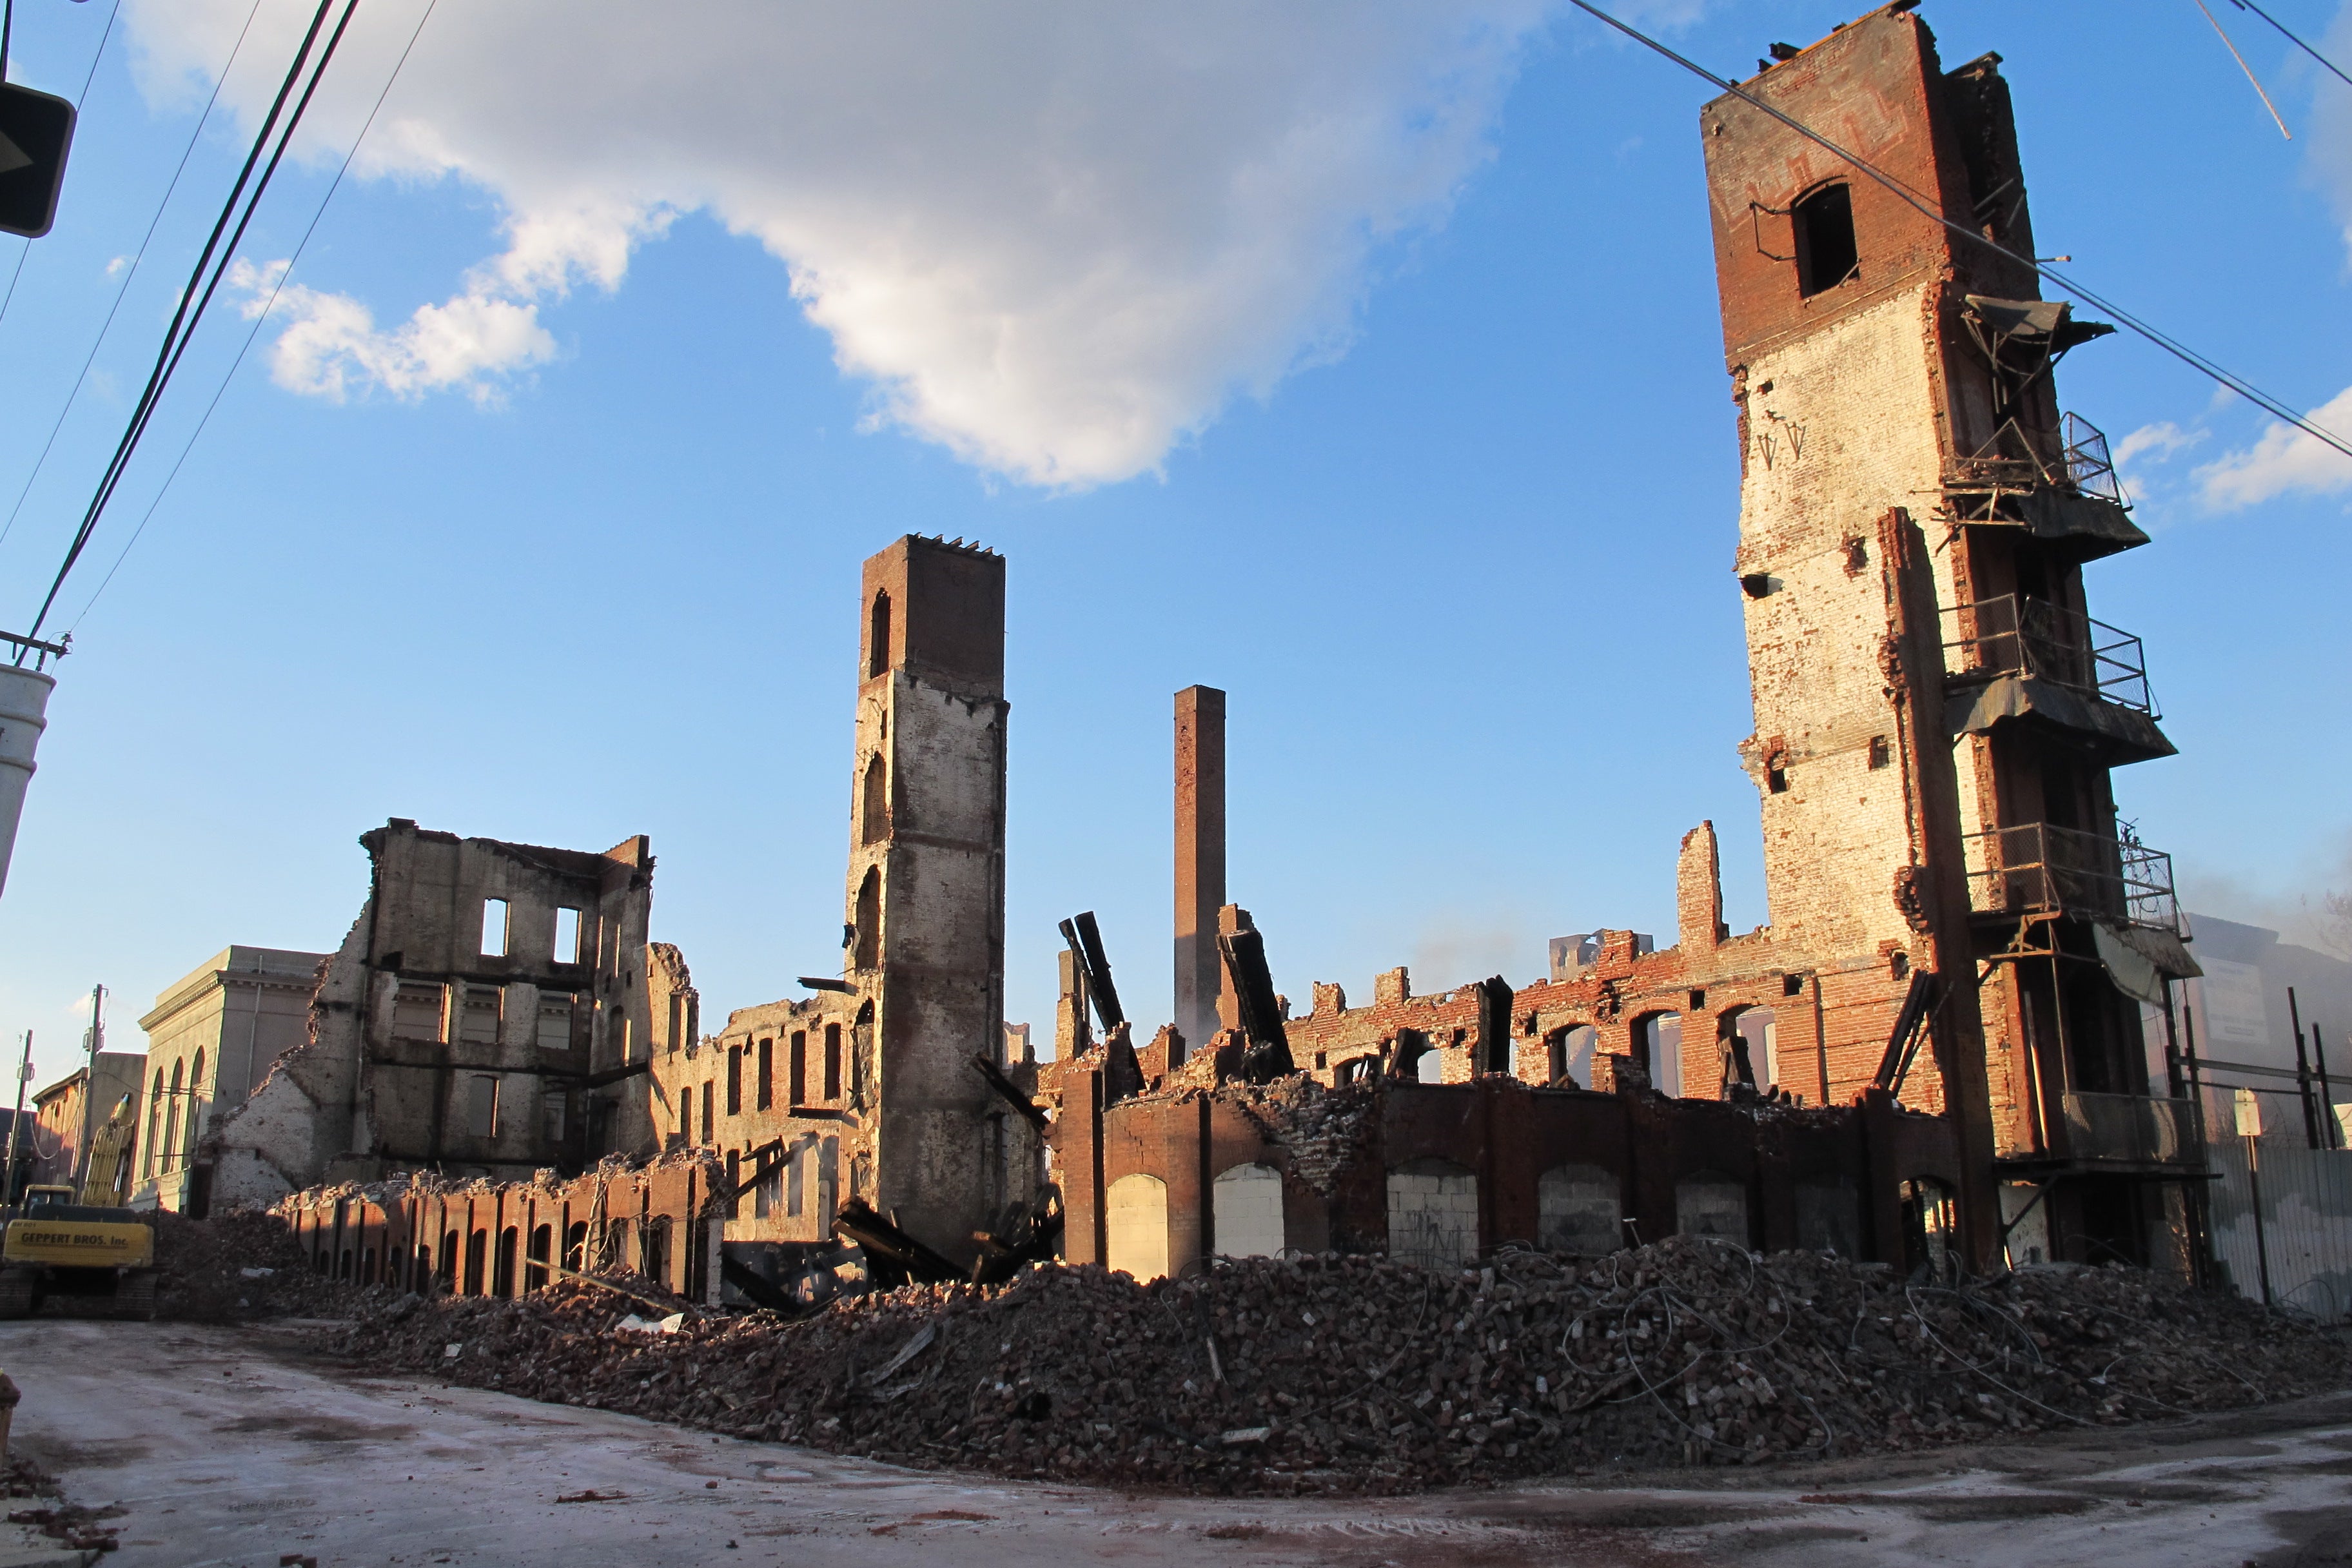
(239, 1446)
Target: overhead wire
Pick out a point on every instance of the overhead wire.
(91, 76)
(2186, 355)
(260, 316)
(2290, 37)
(197, 295)
(129, 273)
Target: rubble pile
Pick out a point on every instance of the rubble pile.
(1358, 1373)
(236, 1266)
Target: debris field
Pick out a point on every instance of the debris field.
(1356, 1373)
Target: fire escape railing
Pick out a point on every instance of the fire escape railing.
(2040, 868)
(2073, 456)
(2012, 635)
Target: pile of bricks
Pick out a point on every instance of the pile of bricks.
(1348, 1374)
(237, 1267)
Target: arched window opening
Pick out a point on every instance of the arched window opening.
(874, 803)
(877, 639)
(449, 1262)
(1135, 1220)
(1827, 254)
(196, 1089)
(154, 1125)
(542, 1243)
(1750, 1054)
(868, 954)
(171, 1119)
(1246, 1207)
(1658, 1043)
(477, 1263)
(575, 1246)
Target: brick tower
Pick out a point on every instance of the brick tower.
(925, 935)
(1936, 713)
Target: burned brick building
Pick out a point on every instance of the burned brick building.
(868, 1089)
(1958, 918)
(491, 1013)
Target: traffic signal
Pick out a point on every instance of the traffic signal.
(36, 129)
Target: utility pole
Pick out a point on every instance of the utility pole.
(9, 1193)
(97, 1038)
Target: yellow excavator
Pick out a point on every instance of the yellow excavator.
(95, 1258)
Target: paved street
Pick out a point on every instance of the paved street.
(236, 1447)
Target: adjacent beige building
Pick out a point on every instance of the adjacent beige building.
(210, 1039)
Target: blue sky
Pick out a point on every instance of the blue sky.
(1423, 452)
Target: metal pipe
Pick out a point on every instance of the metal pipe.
(2303, 1072)
(2328, 1129)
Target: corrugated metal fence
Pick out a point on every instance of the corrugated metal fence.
(2281, 1212)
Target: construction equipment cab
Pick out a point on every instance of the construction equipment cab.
(94, 1259)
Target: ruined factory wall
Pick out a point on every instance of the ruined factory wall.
(485, 1013)
(1443, 1174)
(481, 1238)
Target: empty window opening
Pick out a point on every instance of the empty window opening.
(877, 641)
(868, 954)
(797, 1073)
(482, 1107)
(833, 1061)
(478, 1260)
(552, 1120)
(874, 810)
(504, 1283)
(1793, 985)
(575, 1246)
(1660, 1041)
(567, 936)
(1898, 964)
(676, 1022)
(709, 1111)
(734, 1080)
(1826, 253)
(767, 1081)
(1881, 753)
(1570, 1053)
(494, 928)
(734, 1183)
(1776, 779)
(535, 1275)
(448, 1275)
(686, 1115)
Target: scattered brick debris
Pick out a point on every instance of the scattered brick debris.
(1685, 1352)
(73, 1525)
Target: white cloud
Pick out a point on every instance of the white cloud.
(2284, 459)
(2329, 145)
(2162, 439)
(1055, 235)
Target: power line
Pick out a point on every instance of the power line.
(6, 19)
(260, 317)
(2290, 37)
(2179, 350)
(195, 300)
(129, 273)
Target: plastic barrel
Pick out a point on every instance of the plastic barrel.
(24, 710)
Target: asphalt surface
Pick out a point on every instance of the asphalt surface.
(243, 1447)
